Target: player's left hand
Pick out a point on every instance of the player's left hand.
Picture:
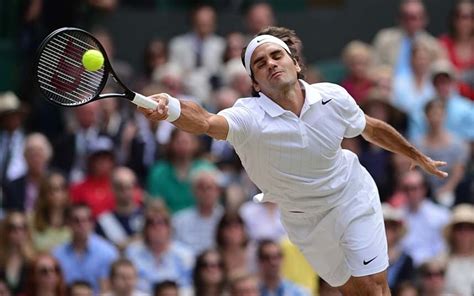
(430, 166)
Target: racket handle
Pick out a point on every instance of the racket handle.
(144, 102)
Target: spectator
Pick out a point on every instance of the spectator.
(243, 284)
(412, 91)
(459, 110)
(80, 288)
(96, 189)
(459, 43)
(166, 288)
(154, 56)
(406, 289)
(432, 278)
(375, 159)
(12, 162)
(87, 257)
(156, 256)
(70, 150)
(465, 190)
(259, 15)
(122, 225)
(21, 193)
(170, 178)
(112, 118)
(393, 45)
(357, 57)
(237, 252)
(401, 267)
(460, 237)
(425, 220)
(208, 275)
(199, 52)
(262, 221)
(123, 279)
(195, 227)
(16, 251)
(49, 221)
(45, 277)
(4, 290)
(441, 144)
(270, 258)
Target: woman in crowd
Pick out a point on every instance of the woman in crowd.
(16, 251)
(438, 143)
(357, 57)
(412, 91)
(232, 240)
(170, 178)
(49, 219)
(460, 237)
(208, 274)
(459, 42)
(401, 267)
(45, 277)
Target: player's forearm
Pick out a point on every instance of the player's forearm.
(193, 118)
(385, 136)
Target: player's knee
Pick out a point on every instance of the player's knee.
(371, 285)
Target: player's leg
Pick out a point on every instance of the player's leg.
(369, 285)
(365, 247)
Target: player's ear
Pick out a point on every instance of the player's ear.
(255, 86)
(298, 68)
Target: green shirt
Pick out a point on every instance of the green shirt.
(177, 193)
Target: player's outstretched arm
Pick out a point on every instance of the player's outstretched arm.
(192, 118)
(385, 136)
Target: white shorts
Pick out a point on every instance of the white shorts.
(347, 240)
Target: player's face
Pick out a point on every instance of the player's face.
(273, 68)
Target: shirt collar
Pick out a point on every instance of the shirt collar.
(312, 96)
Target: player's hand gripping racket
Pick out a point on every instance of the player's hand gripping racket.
(64, 80)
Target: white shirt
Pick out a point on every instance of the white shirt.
(296, 161)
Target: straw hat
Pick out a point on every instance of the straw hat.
(9, 103)
(391, 213)
(463, 213)
(444, 67)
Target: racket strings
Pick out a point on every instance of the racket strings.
(61, 74)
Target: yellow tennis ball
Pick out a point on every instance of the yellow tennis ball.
(93, 60)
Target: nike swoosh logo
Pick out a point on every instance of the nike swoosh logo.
(367, 262)
(325, 102)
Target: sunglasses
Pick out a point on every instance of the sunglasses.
(211, 264)
(45, 270)
(433, 273)
(271, 257)
(16, 227)
(155, 222)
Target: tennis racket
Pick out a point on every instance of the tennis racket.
(64, 81)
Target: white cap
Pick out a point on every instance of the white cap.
(256, 42)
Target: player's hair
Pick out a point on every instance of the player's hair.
(291, 39)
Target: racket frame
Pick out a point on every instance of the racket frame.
(108, 69)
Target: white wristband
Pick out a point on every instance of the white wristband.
(174, 109)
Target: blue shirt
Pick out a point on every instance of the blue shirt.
(175, 264)
(403, 63)
(91, 266)
(285, 288)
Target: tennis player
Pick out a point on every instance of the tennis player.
(288, 136)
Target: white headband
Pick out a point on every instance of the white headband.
(256, 42)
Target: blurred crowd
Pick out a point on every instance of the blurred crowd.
(97, 200)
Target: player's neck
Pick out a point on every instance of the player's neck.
(290, 98)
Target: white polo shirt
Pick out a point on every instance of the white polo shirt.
(296, 161)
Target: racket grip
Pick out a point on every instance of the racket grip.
(144, 102)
